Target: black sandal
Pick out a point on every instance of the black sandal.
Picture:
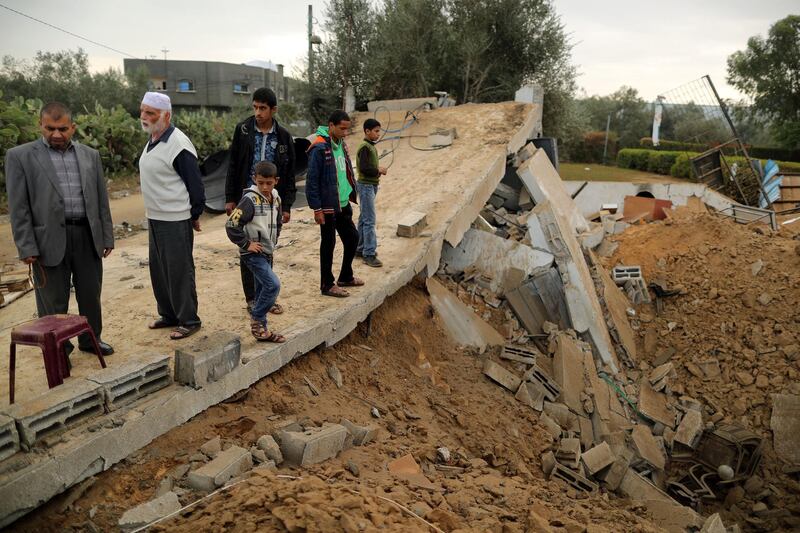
(181, 332)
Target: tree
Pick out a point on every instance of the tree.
(768, 71)
(631, 117)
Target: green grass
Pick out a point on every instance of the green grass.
(597, 172)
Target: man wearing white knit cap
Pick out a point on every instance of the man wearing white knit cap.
(173, 194)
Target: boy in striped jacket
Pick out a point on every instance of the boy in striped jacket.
(254, 226)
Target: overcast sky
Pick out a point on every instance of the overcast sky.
(652, 46)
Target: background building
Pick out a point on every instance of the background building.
(211, 84)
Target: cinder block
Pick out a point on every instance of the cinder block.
(9, 438)
(598, 458)
(133, 380)
(362, 435)
(536, 375)
(621, 274)
(569, 453)
(208, 361)
(148, 512)
(690, 429)
(613, 475)
(572, 478)
(412, 224)
(636, 290)
(313, 445)
(227, 464)
(497, 373)
(57, 409)
(520, 354)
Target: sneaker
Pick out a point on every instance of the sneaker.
(373, 261)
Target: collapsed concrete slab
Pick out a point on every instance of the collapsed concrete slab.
(584, 307)
(668, 513)
(490, 254)
(208, 360)
(568, 371)
(617, 305)
(463, 325)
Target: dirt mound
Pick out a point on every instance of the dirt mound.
(733, 335)
(430, 394)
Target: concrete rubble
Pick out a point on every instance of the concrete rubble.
(151, 511)
(227, 464)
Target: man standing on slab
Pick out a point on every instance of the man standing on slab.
(61, 219)
(255, 139)
(330, 187)
(174, 199)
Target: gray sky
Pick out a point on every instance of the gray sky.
(652, 46)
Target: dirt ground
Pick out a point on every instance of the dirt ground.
(735, 333)
(495, 442)
(425, 181)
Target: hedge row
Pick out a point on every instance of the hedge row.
(756, 152)
(675, 163)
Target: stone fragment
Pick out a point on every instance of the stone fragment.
(647, 446)
(598, 458)
(765, 298)
(690, 429)
(271, 448)
(756, 267)
(313, 445)
(660, 373)
(258, 455)
(531, 394)
(362, 435)
(411, 224)
(753, 485)
(227, 464)
(212, 447)
(785, 425)
(762, 381)
(744, 378)
(499, 374)
(734, 496)
(613, 475)
(336, 376)
(550, 426)
(151, 511)
(404, 465)
(548, 462)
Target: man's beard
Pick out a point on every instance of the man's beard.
(155, 127)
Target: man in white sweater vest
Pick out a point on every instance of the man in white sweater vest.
(174, 198)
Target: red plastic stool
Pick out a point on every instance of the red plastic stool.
(49, 334)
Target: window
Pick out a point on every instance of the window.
(157, 84)
(241, 88)
(185, 86)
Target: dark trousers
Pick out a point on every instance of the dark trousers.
(248, 281)
(84, 269)
(172, 271)
(341, 223)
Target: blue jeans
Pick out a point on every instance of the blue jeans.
(367, 239)
(267, 285)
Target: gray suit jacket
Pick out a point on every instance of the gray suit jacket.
(36, 204)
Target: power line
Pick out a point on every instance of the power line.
(66, 31)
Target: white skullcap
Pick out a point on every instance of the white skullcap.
(157, 100)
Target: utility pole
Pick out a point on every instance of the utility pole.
(310, 48)
(605, 145)
(165, 66)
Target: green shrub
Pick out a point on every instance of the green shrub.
(635, 158)
(209, 131)
(115, 134)
(661, 162)
(19, 123)
(682, 167)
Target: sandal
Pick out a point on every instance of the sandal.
(355, 282)
(276, 309)
(161, 323)
(261, 334)
(181, 332)
(336, 292)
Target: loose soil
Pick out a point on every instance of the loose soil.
(405, 368)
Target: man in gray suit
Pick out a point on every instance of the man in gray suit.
(61, 219)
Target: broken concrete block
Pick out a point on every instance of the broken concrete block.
(551, 426)
(59, 408)
(548, 462)
(362, 435)
(531, 394)
(132, 380)
(598, 458)
(569, 453)
(591, 238)
(785, 425)
(621, 273)
(520, 354)
(502, 376)
(690, 429)
(562, 415)
(572, 478)
(654, 405)
(524, 200)
(713, 524)
(404, 465)
(612, 476)
(271, 448)
(227, 464)
(9, 438)
(208, 360)
(547, 384)
(461, 323)
(335, 374)
(411, 224)
(313, 445)
(148, 512)
(587, 432)
(647, 447)
(212, 447)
